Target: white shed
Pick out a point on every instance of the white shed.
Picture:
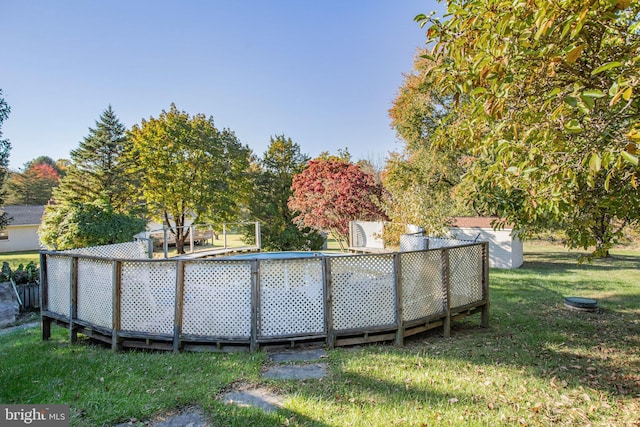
(22, 232)
(505, 250)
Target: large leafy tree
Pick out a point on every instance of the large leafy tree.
(33, 186)
(550, 97)
(425, 179)
(272, 191)
(5, 147)
(424, 189)
(98, 170)
(330, 192)
(189, 168)
(78, 225)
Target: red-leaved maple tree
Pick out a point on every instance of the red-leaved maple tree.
(329, 193)
(44, 171)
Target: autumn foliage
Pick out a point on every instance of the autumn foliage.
(33, 186)
(329, 193)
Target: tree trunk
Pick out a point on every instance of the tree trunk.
(603, 237)
(180, 235)
(177, 231)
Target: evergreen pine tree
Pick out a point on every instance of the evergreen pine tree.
(280, 163)
(94, 203)
(98, 170)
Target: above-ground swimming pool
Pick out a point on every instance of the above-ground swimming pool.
(117, 295)
(279, 255)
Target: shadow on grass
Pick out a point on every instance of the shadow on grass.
(585, 358)
(221, 415)
(596, 350)
(568, 262)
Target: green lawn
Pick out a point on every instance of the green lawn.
(537, 364)
(16, 258)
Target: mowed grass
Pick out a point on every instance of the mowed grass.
(16, 258)
(538, 364)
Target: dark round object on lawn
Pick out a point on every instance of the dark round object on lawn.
(581, 304)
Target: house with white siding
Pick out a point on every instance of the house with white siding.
(22, 232)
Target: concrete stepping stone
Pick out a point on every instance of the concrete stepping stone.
(256, 397)
(298, 356)
(263, 398)
(187, 417)
(297, 372)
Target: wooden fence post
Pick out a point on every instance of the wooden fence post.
(328, 310)
(73, 299)
(45, 322)
(446, 282)
(397, 267)
(165, 244)
(150, 247)
(484, 319)
(177, 319)
(116, 283)
(255, 302)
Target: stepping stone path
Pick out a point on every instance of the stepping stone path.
(249, 395)
(258, 397)
(189, 417)
(262, 397)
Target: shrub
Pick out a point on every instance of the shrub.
(23, 274)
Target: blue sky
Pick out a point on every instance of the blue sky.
(323, 73)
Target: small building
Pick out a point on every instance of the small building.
(21, 234)
(505, 249)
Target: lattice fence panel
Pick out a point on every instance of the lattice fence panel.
(362, 291)
(59, 283)
(291, 297)
(127, 250)
(423, 293)
(148, 292)
(465, 266)
(95, 292)
(437, 243)
(413, 242)
(217, 299)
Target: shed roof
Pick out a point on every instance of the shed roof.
(477, 222)
(24, 214)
